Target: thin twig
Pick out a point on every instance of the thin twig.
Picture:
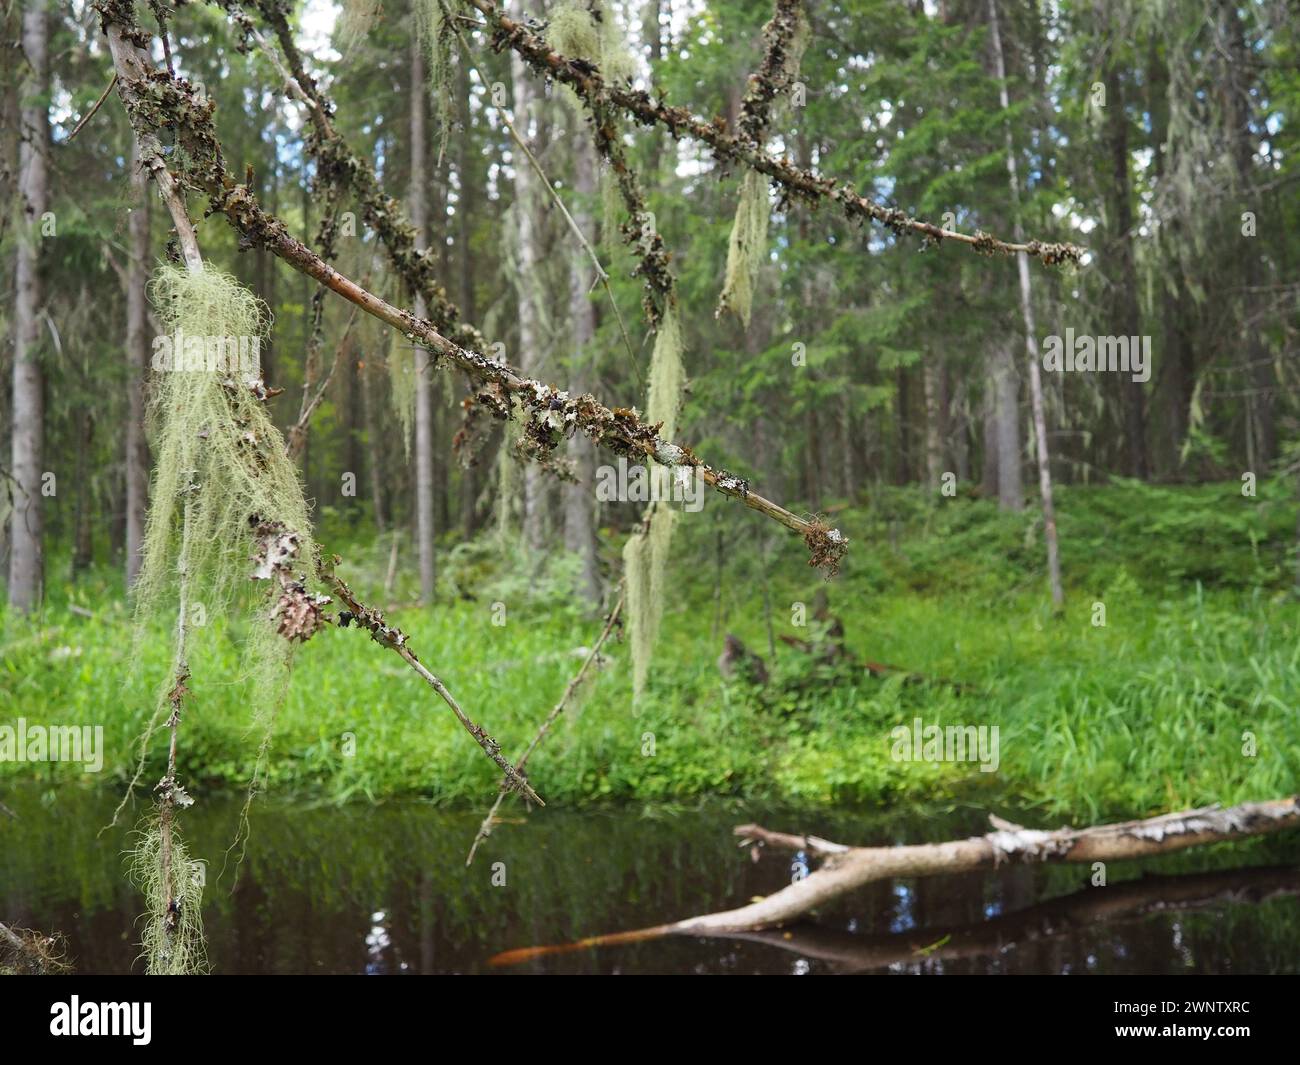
(91, 113)
(393, 638)
(485, 829)
(298, 434)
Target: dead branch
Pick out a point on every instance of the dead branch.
(1114, 904)
(796, 182)
(485, 829)
(848, 869)
(156, 98)
(395, 640)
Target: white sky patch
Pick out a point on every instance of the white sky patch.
(318, 20)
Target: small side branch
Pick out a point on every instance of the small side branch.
(395, 640)
(485, 829)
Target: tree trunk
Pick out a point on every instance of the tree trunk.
(1031, 335)
(580, 498)
(1006, 424)
(935, 421)
(418, 199)
(26, 538)
(1122, 271)
(137, 365)
(1238, 59)
(527, 204)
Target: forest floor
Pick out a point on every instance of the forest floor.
(1186, 695)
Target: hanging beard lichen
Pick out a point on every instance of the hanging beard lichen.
(746, 249)
(586, 31)
(401, 384)
(356, 22)
(221, 470)
(172, 941)
(438, 36)
(645, 556)
(216, 445)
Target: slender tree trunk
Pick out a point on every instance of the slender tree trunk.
(418, 200)
(527, 202)
(1031, 335)
(935, 419)
(1123, 269)
(579, 498)
(1237, 62)
(26, 561)
(137, 364)
(1006, 424)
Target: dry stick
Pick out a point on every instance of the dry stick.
(298, 434)
(849, 868)
(393, 638)
(485, 829)
(619, 429)
(91, 113)
(798, 182)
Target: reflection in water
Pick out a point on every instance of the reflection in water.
(385, 890)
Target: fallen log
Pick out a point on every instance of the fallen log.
(1115, 904)
(846, 868)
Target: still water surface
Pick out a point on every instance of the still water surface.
(385, 890)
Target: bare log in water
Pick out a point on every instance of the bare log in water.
(1093, 907)
(847, 868)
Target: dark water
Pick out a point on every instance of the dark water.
(385, 890)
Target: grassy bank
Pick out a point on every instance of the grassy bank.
(1200, 645)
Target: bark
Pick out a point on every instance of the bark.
(26, 537)
(845, 869)
(1031, 337)
(423, 397)
(137, 362)
(580, 498)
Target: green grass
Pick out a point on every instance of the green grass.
(1145, 714)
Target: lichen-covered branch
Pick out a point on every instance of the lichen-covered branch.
(157, 99)
(395, 640)
(485, 829)
(781, 47)
(795, 182)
